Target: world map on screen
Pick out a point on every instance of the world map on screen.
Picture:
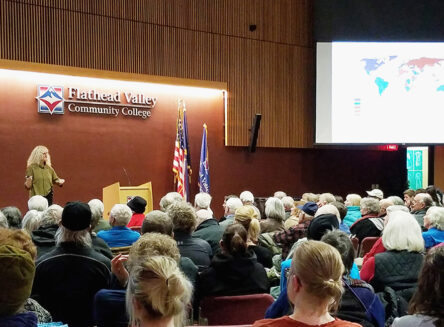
(384, 72)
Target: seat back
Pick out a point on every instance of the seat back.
(136, 229)
(366, 245)
(235, 310)
(120, 250)
(355, 242)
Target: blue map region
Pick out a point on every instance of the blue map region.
(371, 64)
(382, 85)
(440, 88)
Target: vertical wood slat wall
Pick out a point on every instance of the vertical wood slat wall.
(267, 71)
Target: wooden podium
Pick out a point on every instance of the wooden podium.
(115, 193)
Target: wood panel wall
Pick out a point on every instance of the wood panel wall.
(267, 71)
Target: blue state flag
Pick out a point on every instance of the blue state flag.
(204, 166)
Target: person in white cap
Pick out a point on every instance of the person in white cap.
(376, 193)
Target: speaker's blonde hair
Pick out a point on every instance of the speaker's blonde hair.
(319, 267)
(36, 156)
(161, 288)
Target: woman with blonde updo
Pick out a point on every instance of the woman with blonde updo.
(247, 217)
(158, 293)
(40, 176)
(314, 288)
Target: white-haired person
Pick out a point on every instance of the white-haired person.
(314, 288)
(247, 198)
(158, 293)
(378, 246)
(419, 206)
(168, 199)
(434, 223)
(207, 227)
(44, 236)
(37, 202)
(288, 203)
(398, 267)
(275, 216)
(3, 221)
(119, 235)
(14, 216)
(68, 277)
(369, 224)
(383, 205)
(279, 194)
(231, 205)
(353, 204)
(97, 221)
(31, 221)
(40, 176)
(325, 198)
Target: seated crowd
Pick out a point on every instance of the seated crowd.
(370, 261)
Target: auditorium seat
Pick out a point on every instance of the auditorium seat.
(235, 310)
(355, 242)
(137, 229)
(120, 250)
(366, 245)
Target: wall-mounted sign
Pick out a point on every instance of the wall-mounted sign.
(51, 100)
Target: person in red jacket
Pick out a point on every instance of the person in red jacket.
(137, 205)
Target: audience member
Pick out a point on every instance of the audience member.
(435, 194)
(342, 209)
(358, 302)
(17, 253)
(37, 202)
(275, 213)
(67, 278)
(408, 198)
(396, 270)
(247, 198)
(353, 204)
(158, 293)
(434, 223)
(3, 221)
(293, 220)
(339, 199)
(231, 206)
(14, 217)
(325, 198)
(285, 239)
(119, 235)
(97, 221)
(280, 195)
(369, 224)
(310, 197)
(157, 221)
(168, 199)
(426, 307)
(396, 200)
(234, 270)
(137, 206)
(224, 205)
(109, 304)
(383, 205)
(44, 236)
(288, 203)
(376, 194)
(246, 216)
(314, 288)
(207, 228)
(420, 204)
(31, 221)
(184, 221)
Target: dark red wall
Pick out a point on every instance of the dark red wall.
(91, 152)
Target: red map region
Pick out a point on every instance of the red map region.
(421, 62)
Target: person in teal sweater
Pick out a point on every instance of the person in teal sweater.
(353, 203)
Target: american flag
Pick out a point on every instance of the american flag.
(181, 164)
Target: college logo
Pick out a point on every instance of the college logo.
(50, 99)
